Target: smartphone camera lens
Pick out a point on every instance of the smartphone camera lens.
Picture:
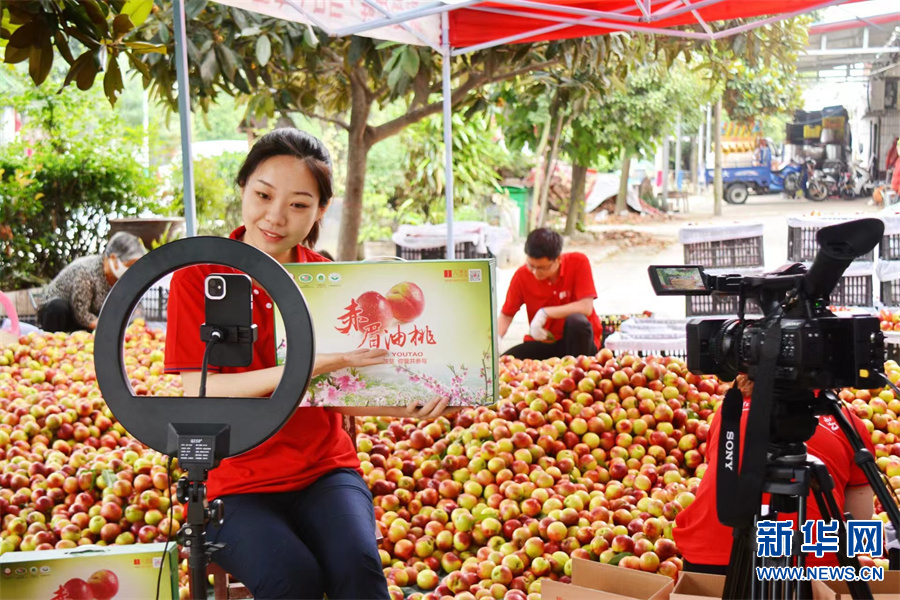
(215, 288)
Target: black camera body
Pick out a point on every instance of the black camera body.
(817, 349)
(819, 353)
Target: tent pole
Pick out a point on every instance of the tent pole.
(184, 117)
(448, 132)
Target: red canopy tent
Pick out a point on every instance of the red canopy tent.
(455, 27)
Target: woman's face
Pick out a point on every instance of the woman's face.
(280, 205)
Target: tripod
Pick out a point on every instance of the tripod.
(789, 477)
(191, 490)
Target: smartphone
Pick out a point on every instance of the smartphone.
(229, 306)
(680, 280)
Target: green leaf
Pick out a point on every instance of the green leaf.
(86, 76)
(112, 81)
(95, 13)
(614, 561)
(109, 478)
(209, 67)
(83, 59)
(121, 25)
(15, 55)
(146, 48)
(226, 61)
(287, 49)
(192, 8)
(41, 61)
(25, 36)
(309, 37)
(263, 50)
(138, 10)
(411, 61)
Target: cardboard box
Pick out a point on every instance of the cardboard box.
(698, 586)
(887, 589)
(598, 581)
(437, 320)
(45, 575)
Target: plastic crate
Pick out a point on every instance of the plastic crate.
(892, 346)
(892, 352)
(699, 306)
(742, 252)
(853, 290)
(802, 244)
(889, 249)
(461, 250)
(890, 292)
(155, 303)
(661, 353)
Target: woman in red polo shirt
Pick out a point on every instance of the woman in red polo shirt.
(299, 520)
(705, 544)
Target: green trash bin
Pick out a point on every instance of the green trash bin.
(519, 195)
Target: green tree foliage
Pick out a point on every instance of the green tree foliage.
(284, 67)
(98, 32)
(216, 194)
(755, 92)
(755, 71)
(477, 158)
(60, 183)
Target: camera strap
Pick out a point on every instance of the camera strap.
(740, 475)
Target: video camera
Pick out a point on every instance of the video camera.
(818, 349)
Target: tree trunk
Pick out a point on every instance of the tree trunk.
(551, 166)
(717, 186)
(539, 169)
(357, 158)
(621, 204)
(576, 199)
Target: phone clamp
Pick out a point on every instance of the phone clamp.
(230, 334)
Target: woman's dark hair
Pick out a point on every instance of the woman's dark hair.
(543, 243)
(288, 141)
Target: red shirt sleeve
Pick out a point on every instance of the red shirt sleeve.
(857, 476)
(583, 277)
(514, 296)
(186, 313)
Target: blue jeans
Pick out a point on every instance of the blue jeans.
(306, 544)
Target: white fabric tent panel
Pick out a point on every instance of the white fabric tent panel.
(334, 15)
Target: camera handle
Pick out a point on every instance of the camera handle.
(866, 462)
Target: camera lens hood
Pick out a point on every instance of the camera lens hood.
(250, 421)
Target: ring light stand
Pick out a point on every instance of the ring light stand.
(202, 431)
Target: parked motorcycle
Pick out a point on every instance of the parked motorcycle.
(857, 182)
(816, 186)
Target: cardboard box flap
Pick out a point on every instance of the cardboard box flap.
(698, 585)
(554, 590)
(616, 580)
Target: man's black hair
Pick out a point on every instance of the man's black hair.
(543, 243)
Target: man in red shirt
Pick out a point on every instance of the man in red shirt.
(558, 293)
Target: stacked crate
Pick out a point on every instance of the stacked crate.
(888, 270)
(722, 249)
(429, 242)
(856, 287)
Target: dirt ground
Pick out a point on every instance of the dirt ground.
(620, 252)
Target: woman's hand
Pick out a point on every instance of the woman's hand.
(364, 357)
(430, 410)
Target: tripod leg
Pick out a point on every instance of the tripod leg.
(822, 486)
